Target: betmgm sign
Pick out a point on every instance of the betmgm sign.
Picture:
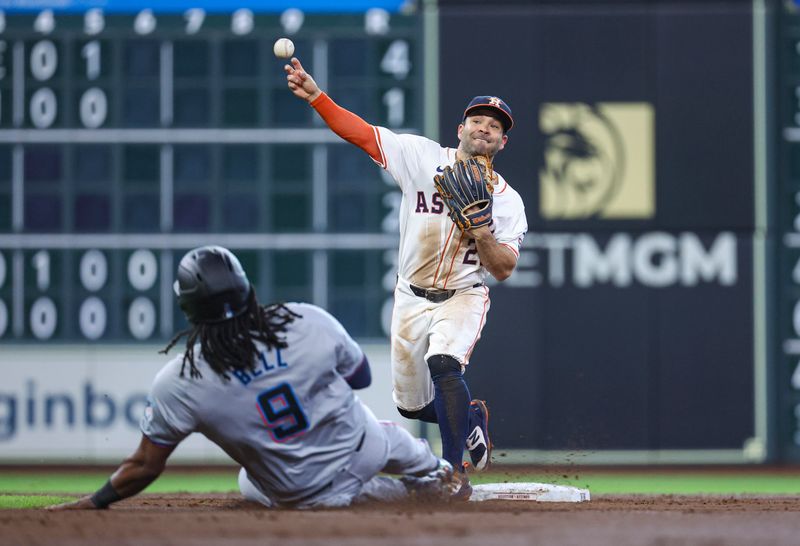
(599, 164)
(653, 259)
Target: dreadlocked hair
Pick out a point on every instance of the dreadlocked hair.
(230, 345)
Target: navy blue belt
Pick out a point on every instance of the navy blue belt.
(436, 295)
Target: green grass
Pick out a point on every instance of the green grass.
(27, 490)
(30, 501)
(37, 491)
(89, 482)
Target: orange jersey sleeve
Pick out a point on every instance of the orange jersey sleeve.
(349, 126)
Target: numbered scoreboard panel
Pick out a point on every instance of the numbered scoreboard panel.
(128, 138)
(788, 234)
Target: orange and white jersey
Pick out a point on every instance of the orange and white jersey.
(434, 253)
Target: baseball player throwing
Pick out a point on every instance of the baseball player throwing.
(448, 243)
(272, 386)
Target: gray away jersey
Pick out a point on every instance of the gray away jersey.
(291, 423)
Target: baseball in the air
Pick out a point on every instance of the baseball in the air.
(283, 48)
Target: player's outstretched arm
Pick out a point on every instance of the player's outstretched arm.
(133, 475)
(300, 82)
(344, 123)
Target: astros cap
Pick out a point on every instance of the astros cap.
(494, 103)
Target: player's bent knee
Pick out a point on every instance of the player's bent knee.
(443, 365)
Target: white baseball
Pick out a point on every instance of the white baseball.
(283, 48)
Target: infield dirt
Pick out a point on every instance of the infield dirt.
(185, 519)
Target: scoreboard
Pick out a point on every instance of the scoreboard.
(787, 350)
(132, 133)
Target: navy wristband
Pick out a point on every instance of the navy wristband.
(105, 496)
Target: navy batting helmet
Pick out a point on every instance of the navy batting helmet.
(211, 285)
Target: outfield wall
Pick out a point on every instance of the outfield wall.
(82, 404)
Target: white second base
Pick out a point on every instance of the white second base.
(527, 491)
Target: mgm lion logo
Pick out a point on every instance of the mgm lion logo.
(598, 161)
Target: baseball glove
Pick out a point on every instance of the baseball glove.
(466, 189)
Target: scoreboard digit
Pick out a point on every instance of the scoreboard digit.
(132, 133)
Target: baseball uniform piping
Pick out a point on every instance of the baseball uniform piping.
(383, 163)
(453, 261)
(511, 248)
(444, 251)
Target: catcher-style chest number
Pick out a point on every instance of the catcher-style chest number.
(282, 412)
